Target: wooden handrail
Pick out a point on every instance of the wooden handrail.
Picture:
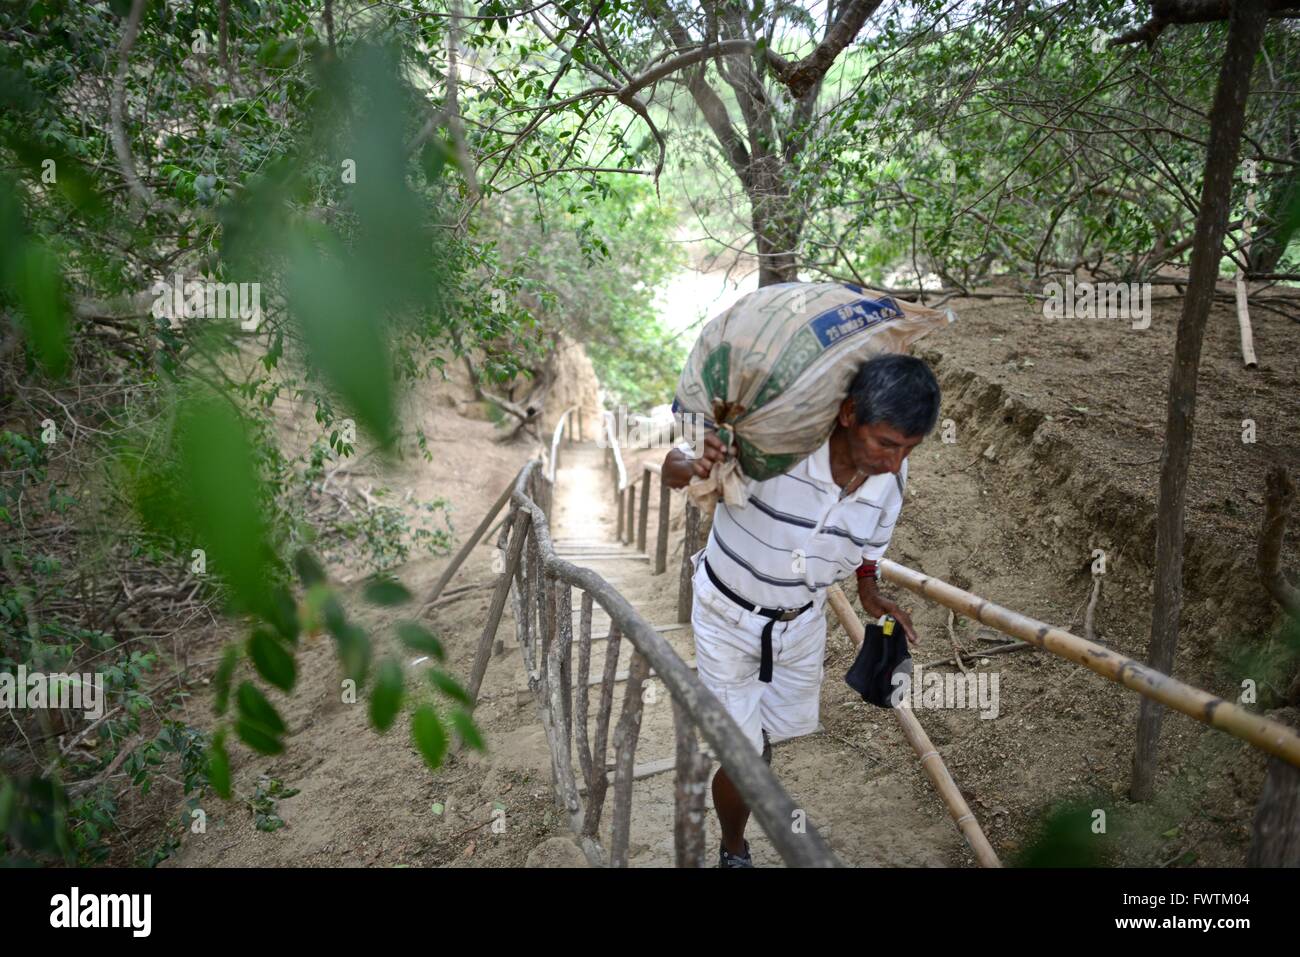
(1264, 733)
(560, 426)
(542, 583)
(612, 439)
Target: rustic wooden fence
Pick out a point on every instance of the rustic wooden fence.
(541, 585)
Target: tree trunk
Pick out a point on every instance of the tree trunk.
(777, 222)
(1227, 119)
(1275, 838)
(776, 234)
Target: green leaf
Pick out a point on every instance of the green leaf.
(449, 686)
(219, 766)
(386, 591)
(418, 638)
(221, 680)
(254, 707)
(222, 491)
(8, 801)
(354, 651)
(429, 736)
(37, 283)
(272, 660)
(345, 339)
(386, 699)
(468, 731)
(308, 568)
(257, 737)
(284, 614)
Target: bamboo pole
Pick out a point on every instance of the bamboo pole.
(931, 761)
(1263, 733)
(1243, 296)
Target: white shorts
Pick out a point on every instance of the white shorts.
(728, 642)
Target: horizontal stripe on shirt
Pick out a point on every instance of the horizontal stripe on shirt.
(771, 551)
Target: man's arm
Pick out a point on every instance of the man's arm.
(874, 603)
(680, 467)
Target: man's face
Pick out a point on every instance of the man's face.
(877, 447)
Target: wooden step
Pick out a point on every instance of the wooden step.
(578, 558)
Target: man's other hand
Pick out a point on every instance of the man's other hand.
(876, 604)
(679, 468)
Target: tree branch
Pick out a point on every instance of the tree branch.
(1165, 13)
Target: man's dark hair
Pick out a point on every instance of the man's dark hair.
(897, 389)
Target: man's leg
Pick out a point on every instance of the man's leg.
(727, 660)
(733, 812)
(790, 706)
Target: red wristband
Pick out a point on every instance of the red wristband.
(867, 570)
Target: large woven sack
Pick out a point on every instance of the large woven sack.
(770, 373)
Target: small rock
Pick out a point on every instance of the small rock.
(556, 852)
(990, 453)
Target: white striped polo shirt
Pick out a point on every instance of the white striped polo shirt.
(797, 535)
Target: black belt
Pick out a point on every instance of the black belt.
(773, 614)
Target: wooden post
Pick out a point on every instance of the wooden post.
(618, 529)
(661, 546)
(1276, 839)
(582, 706)
(685, 591)
(625, 738)
(599, 779)
(690, 783)
(1246, 21)
(644, 518)
(498, 605)
(628, 536)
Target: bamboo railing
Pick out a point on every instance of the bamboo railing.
(1267, 735)
(540, 585)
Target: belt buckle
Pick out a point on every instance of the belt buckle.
(789, 614)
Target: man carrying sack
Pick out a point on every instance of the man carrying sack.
(760, 582)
